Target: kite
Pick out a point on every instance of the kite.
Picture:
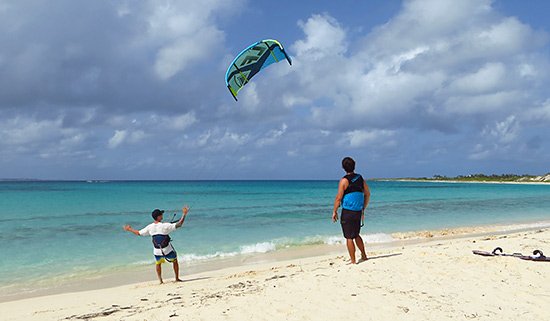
(250, 61)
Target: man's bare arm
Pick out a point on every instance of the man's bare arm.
(184, 211)
(338, 199)
(366, 192)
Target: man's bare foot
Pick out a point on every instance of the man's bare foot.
(363, 258)
(161, 282)
(179, 280)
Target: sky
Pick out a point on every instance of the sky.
(134, 90)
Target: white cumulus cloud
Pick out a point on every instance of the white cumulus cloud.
(187, 32)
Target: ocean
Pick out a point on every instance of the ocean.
(55, 230)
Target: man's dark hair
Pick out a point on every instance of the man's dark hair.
(348, 164)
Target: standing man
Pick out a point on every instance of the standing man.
(353, 194)
(159, 231)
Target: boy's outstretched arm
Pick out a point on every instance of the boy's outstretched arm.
(130, 229)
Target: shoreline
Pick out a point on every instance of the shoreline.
(131, 275)
(456, 181)
(434, 279)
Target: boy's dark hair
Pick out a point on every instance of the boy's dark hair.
(348, 164)
(156, 213)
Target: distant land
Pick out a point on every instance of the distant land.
(495, 178)
(20, 180)
(481, 178)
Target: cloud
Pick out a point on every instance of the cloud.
(202, 140)
(499, 139)
(231, 139)
(505, 131)
(24, 137)
(272, 137)
(486, 79)
(118, 138)
(249, 99)
(179, 122)
(220, 139)
(539, 113)
(360, 138)
(183, 121)
(324, 37)
(187, 33)
(479, 153)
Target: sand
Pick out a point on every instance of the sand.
(438, 279)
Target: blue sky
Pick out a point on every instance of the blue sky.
(135, 90)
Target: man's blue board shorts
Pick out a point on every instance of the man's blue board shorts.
(170, 257)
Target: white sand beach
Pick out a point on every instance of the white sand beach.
(436, 279)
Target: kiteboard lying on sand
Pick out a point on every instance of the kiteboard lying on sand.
(537, 255)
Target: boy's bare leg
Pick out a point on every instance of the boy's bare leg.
(177, 270)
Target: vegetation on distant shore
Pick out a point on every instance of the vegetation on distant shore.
(485, 178)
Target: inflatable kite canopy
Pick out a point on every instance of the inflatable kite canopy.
(250, 61)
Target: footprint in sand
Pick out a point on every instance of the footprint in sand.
(276, 277)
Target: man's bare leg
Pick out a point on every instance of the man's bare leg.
(361, 246)
(351, 250)
(177, 270)
(159, 272)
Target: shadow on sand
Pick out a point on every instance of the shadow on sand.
(380, 257)
(196, 279)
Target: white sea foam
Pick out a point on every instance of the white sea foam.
(143, 262)
(378, 238)
(333, 240)
(368, 238)
(196, 257)
(542, 224)
(263, 247)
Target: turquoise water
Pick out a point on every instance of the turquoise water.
(55, 229)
